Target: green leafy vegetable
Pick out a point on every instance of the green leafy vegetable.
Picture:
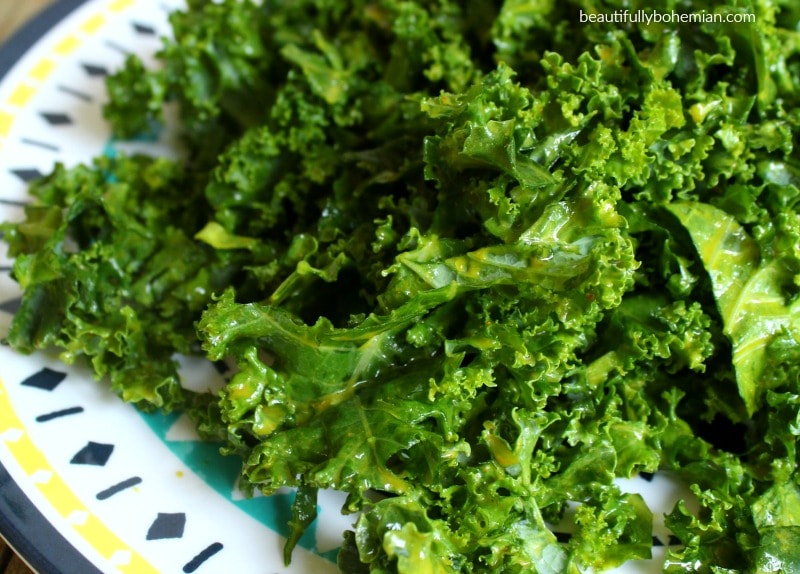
(750, 294)
(472, 262)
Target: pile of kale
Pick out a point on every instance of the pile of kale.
(472, 261)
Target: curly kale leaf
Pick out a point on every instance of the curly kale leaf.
(111, 273)
(751, 294)
(472, 262)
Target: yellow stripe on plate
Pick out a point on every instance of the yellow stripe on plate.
(93, 24)
(107, 544)
(42, 70)
(60, 495)
(8, 418)
(27, 455)
(6, 121)
(21, 95)
(137, 565)
(68, 45)
(120, 5)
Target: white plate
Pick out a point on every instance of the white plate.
(87, 483)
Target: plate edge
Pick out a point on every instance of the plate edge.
(21, 534)
(25, 37)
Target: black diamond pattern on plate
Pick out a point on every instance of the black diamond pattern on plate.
(27, 175)
(144, 29)
(204, 555)
(648, 476)
(11, 306)
(167, 525)
(57, 118)
(657, 541)
(95, 70)
(93, 454)
(46, 379)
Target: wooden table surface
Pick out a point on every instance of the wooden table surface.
(13, 14)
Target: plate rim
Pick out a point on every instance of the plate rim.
(24, 38)
(23, 527)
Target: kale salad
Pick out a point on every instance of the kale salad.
(470, 261)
